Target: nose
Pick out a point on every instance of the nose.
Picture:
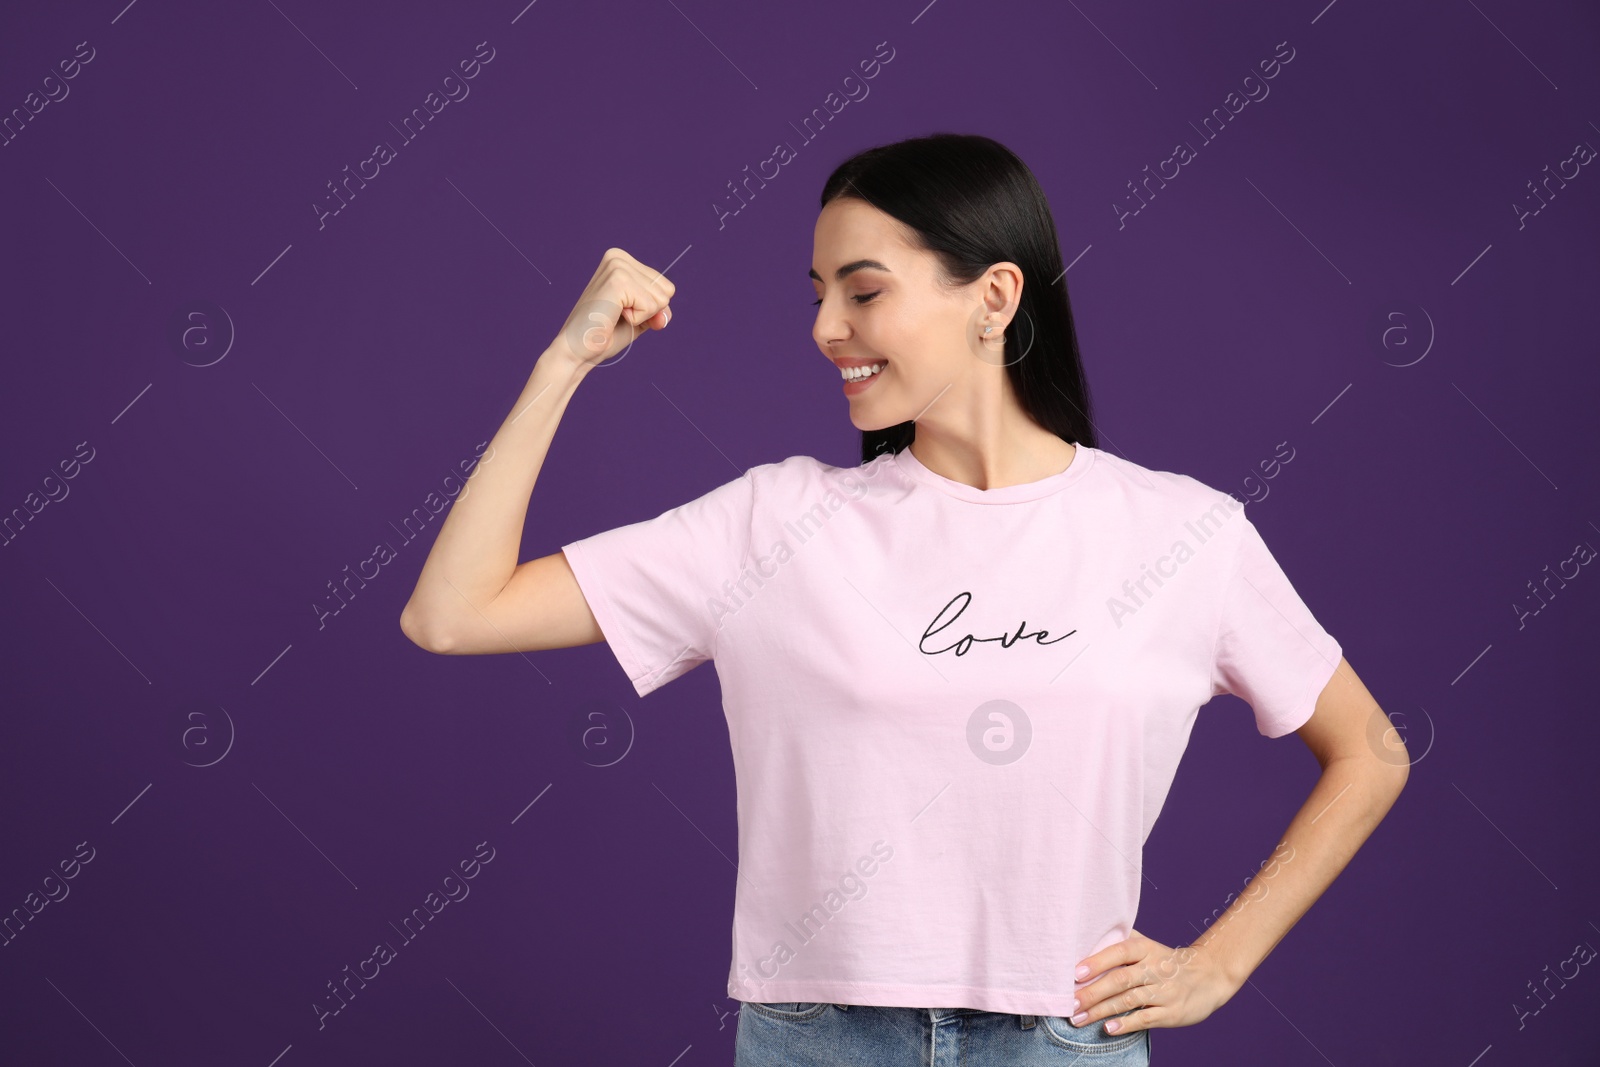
(828, 331)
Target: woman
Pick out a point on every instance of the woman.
(958, 677)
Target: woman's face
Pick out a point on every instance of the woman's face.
(890, 310)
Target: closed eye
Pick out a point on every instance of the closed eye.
(863, 299)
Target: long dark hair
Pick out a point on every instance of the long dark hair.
(969, 200)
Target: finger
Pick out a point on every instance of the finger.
(649, 274)
(616, 283)
(636, 310)
(642, 281)
(660, 281)
(635, 323)
(1115, 991)
(621, 257)
(1096, 1009)
(1143, 1019)
(642, 300)
(1117, 980)
(1111, 956)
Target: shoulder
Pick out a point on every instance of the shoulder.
(1184, 497)
(769, 481)
(1152, 480)
(808, 472)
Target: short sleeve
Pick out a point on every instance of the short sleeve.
(1270, 651)
(658, 588)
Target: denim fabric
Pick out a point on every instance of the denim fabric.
(798, 1034)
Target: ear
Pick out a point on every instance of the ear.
(1002, 289)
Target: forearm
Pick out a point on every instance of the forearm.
(1350, 798)
(475, 552)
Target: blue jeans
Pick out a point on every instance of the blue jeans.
(792, 1034)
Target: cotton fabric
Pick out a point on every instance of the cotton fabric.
(955, 713)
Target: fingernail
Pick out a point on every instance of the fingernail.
(1083, 970)
(1077, 1020)
(667, 317)
(1075, 1004)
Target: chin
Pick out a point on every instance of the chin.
(866, 422)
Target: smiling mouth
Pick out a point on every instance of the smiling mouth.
(861, 374)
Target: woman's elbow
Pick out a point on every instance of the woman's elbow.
(1394, 768)
(420, 633)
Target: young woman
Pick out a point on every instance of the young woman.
(959, 676)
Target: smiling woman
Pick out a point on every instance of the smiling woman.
(920, 269)
(1013, 762)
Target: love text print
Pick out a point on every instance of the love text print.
(963, 644)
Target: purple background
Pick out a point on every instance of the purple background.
(163, 614)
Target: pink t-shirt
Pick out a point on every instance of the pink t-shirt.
(955, 713)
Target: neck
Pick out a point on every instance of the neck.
(995, 460)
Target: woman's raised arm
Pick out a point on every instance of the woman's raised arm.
(472, 595)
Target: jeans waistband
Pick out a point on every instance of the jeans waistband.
(938, 1014)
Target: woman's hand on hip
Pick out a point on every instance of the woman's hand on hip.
(1169, 986)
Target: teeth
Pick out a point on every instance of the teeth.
(855, 374)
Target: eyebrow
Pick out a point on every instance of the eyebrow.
(850, 268)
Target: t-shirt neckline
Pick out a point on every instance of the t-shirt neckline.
(1082, 460)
